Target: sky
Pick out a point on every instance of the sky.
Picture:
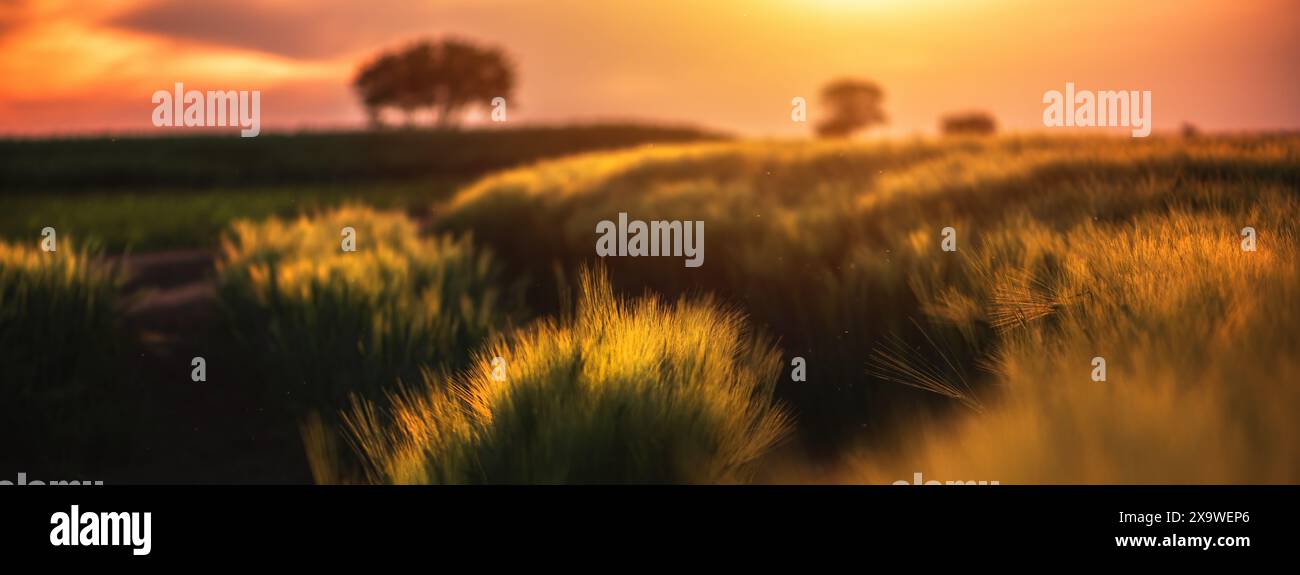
(85, 66)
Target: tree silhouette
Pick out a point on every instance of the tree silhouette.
(853, 105)
(969, 123)
(378, 85)
(446, 77)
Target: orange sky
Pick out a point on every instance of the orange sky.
(74, 66)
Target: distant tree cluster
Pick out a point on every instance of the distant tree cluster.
(851, 105)
(446, 77)
(969, 124)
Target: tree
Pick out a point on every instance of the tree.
(853, 105)
(379, 86)
(969, 123)
(446, 77)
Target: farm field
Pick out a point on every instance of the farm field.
(475, 336)
(151, 194)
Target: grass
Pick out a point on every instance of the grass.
(56, 309)
(1200, 342)
(323, 323)
(58, 328)
(144, 194)
(963, 365)
(174, 218)
(199, 162)
(621, 392)
(835, 249)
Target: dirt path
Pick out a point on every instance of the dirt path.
(217, 431)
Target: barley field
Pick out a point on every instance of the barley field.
(866, 311)
(975, 363)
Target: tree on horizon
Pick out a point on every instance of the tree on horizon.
(971, 123)
(446, 76)
(853, 105)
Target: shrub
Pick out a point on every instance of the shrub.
(968, 123)
(56, 313)
(58, 324)
(324, 323)
(638, 392)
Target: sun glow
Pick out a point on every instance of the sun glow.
(879, 6)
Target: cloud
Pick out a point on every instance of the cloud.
(13, 14)
(304, 30)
